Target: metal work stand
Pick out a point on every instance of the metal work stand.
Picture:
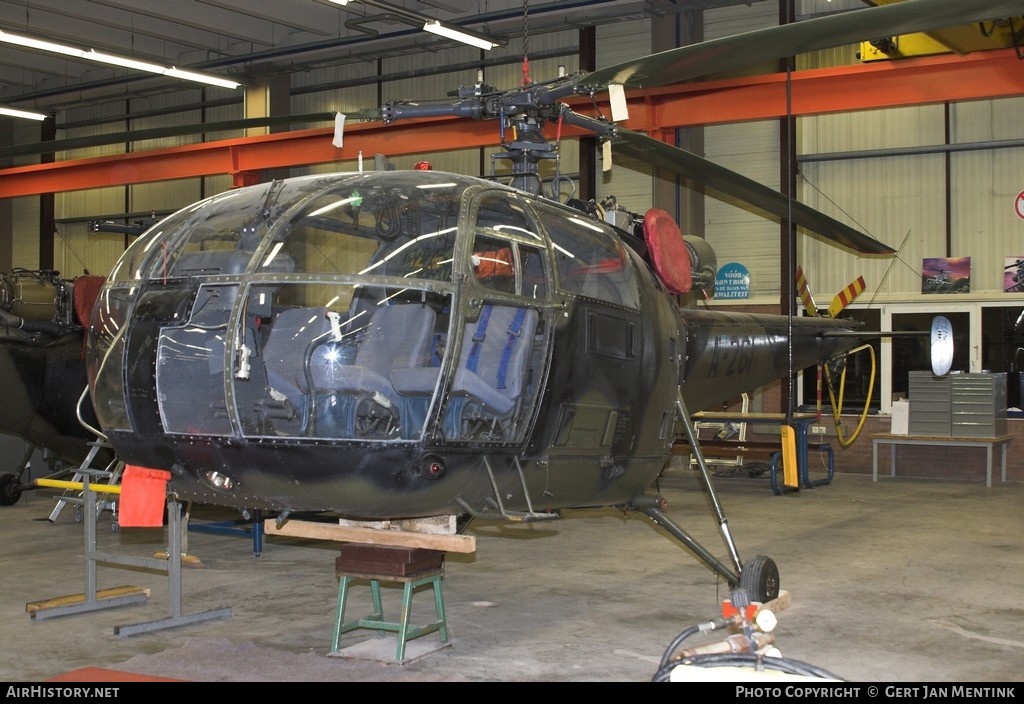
(92, 601)
(375, 621)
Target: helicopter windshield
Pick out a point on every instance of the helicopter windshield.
(321, 307)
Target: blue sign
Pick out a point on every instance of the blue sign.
(732, 281)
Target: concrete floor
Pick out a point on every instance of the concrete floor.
(903, 580)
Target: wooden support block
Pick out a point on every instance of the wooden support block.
(372, 536)
(386, 560)
(782, 601)
(435, 525)
(72, 599)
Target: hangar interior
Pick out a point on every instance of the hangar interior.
(912, 139)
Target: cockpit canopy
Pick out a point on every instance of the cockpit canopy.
(341, 224)
(347, 306)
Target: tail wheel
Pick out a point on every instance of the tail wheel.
(760, 579)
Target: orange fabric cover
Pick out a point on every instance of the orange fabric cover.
(143, 496)
(498, 263)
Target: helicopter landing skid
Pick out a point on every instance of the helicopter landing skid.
(759, 576)
(527, 516)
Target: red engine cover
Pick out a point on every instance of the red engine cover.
(669, 255)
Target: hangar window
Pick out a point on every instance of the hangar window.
(859, 372)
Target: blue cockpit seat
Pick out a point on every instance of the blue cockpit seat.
(489, 378)
(354, 393)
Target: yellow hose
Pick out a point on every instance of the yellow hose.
(837, 407)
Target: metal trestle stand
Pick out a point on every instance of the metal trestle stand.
(94, 600)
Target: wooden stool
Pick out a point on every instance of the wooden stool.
(375, 621)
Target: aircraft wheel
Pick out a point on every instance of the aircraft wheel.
(10, 489)
(760, 577)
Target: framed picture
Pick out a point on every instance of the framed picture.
(1013, 274)
(946, 275)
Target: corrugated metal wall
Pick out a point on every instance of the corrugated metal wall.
(738, 233)
(75, 248)
(898, 200)
(940, 203)
(985, 185)
(629, 180)
(24, 234)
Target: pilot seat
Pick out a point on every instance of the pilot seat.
(338, 383)
(355, 398)
(489, 378)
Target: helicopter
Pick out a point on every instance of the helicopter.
(43, 319)
(42, 367)
(415, 343)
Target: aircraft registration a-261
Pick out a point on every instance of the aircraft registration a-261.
(409, 344)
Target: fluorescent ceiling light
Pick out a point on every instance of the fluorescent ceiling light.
(443, 30)
(200, 77)
(430, 24)
(123, 61)
(113, 60)
(11, 112)
(40, 44)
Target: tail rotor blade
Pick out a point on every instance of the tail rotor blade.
(805, 293)
(846, 296)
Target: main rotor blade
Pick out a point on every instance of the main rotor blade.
(730, 183)
(739, 50)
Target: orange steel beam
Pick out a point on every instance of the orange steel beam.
(926, 80)
(976, 76)
(243, 157)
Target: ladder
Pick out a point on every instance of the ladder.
(111, 474)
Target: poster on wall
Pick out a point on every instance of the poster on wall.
(732, 281)
(946, 275)
(1013, 274)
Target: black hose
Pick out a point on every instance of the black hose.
(9, 320)
(756, 662)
